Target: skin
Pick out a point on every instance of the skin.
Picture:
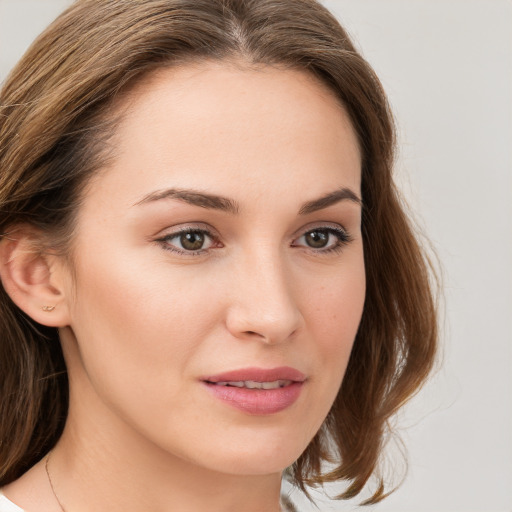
(141, 323)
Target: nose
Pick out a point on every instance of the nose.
(262, 302)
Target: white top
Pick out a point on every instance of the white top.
(7, 505)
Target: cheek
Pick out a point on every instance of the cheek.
(131, 321)
(138, 333)
(130, 298)
(336, 307)
(334, 313)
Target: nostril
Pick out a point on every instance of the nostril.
(254, 333)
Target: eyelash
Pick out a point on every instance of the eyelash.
(343, 239)
(164, 241)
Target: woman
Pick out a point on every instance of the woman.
(207, 274)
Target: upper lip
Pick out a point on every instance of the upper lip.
(258, 375)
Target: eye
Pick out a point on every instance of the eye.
(323, 239)
(188, 241)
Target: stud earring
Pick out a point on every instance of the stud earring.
(48, 309)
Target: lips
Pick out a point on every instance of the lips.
(252, 384)
(258, 375)
(256, 390)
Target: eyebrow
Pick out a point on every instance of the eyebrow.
(341, 194)
(215, 202)
(195, 198)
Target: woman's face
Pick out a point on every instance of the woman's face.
(222, 245)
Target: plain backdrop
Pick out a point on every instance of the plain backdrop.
(447, 67)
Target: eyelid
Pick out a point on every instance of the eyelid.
(186, 227)
(340, 232)
(334, 226)
(172, 232)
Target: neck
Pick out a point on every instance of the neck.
(129, 473)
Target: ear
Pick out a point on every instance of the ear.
(35, 281)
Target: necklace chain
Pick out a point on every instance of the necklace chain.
(57, 498)
(51, 483)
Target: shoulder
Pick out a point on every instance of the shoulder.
(7, 505)
(286, 504)
(30, 491)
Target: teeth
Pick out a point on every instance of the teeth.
(273, 385)
(251, 384)
(236, 384)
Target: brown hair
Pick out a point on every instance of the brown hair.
(53, 110)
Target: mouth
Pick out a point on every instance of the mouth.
(252, 384)
(253, 377)
(257, 391)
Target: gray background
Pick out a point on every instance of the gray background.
(447, 67)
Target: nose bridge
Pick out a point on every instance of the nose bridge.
(264, 304)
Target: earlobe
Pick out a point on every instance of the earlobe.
(32, 279)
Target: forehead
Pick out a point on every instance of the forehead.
(216, 124)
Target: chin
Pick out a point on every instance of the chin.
(257, 458)
(247, 466)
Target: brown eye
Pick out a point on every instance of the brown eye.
(317, 239)
(192, 241)
(188, 241)
(323, 240)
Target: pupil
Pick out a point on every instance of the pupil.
(317, 239)
(192, 241)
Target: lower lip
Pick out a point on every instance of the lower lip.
(257, 401)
